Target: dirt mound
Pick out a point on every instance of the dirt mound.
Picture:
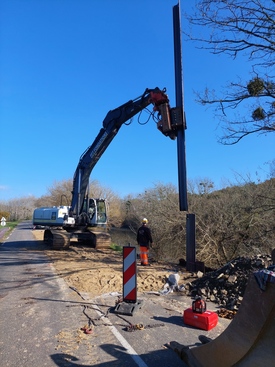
(101, 271)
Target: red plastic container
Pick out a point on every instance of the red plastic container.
(205, 321)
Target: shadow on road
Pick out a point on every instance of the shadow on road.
(121, 357)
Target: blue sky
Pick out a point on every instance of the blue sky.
(65, 63)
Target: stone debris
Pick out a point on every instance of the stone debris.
(226, 286)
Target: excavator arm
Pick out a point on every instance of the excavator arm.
(111, 125)
(75, 221)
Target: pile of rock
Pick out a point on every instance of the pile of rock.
(226, 285)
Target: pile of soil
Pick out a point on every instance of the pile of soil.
(101, 271)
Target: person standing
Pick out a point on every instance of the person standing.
(144, 239)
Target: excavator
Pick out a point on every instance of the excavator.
(85, 219)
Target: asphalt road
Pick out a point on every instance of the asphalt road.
(41, 318)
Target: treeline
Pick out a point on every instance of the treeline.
(235, 221)
(18, 209)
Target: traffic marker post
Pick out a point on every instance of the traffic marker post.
(129, 274)
(130, 303)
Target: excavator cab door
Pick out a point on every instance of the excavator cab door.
(97, 212)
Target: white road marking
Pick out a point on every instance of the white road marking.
(121, 339)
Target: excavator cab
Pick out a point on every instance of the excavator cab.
(97, 212)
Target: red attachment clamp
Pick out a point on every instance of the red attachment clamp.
(158, 97)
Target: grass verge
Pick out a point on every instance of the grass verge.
(7, 229)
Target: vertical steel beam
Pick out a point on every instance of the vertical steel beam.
(182, 181)
(182, 176)
(190, 242)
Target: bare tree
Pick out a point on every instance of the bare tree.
(18, 209)
(200, 185)
(160, 206)
(235, 221)
(240, 27)
(272, 168)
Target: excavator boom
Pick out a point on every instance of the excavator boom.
(111, 125)
(63, 223)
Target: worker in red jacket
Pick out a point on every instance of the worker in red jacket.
(144, 239)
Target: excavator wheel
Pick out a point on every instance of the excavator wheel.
(57, 239)
(48, 237)
(102, 240)
(95, 238)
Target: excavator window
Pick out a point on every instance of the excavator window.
(91, 210)
(101, 211)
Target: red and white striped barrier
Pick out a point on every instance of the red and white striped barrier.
(129, 274)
